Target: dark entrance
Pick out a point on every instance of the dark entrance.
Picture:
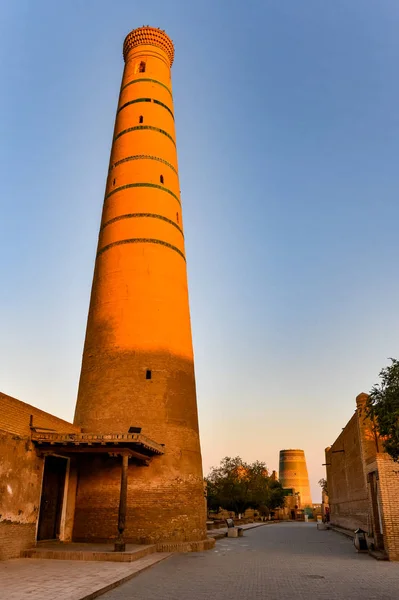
(378, 531)
(52, 497)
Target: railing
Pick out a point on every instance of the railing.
(97, 438)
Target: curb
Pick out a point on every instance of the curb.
(223, 534)
(376, 554)
(219, 536)
(114, 584)
(92, 556)
(345, 532)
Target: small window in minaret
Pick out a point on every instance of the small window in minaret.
(161, 179)
(177, 217)
(113, 183)
(142, 67)
(141, 119)
(148, 374)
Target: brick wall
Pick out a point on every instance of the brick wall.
(388, 472)
(158, 509)
(20, 473)
(370, 446)
(15, 537)
(166, 499)
(346, 481)
(20, 482)
(350, 493)
(15, 417)
(370, 441)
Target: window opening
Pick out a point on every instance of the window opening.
(161, 179)
(141, 119)
(177, 217)
(142, 67)
(148, 374)
(113, 183)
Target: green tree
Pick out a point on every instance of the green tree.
(323, 484)
(383, 408)
(212, 497)
(276, 495)
(236, 485)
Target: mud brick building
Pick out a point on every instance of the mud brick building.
(363, 483)
(129, 468)
(21, 477)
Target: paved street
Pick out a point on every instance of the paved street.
(36, 579)
(288, 560)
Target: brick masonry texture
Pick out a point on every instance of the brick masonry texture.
(139, 323)
(15, 537)
(288, 560)
(27, 579)
(293, 473)
(356, 454)
(15, 417)
(347, 487)
(21, 473)
(389, 493)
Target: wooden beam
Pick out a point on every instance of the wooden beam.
(120, 451)
(139, 456)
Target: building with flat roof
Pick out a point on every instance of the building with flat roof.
(363, 483)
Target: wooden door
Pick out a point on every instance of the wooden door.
(52, 497)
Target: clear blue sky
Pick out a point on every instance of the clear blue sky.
(288, 137)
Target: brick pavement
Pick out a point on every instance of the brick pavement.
(36, 579)
(288, 560)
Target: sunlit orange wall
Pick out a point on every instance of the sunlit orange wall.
(139, 317)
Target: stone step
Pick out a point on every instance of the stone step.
(88, 552)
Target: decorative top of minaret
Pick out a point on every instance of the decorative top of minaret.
(149, 36)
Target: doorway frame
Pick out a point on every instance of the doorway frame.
(64, 498)
(376, 512)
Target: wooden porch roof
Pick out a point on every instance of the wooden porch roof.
(135, 445)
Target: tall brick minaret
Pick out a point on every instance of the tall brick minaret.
(138, 367)
(293, 473)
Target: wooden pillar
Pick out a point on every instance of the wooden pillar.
(120, 545)
(69, 501)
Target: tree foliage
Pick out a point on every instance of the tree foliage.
(236, 486)
(323, 484)
(383, 408)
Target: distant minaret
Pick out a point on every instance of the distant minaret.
(138, 366)
(293, 473)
